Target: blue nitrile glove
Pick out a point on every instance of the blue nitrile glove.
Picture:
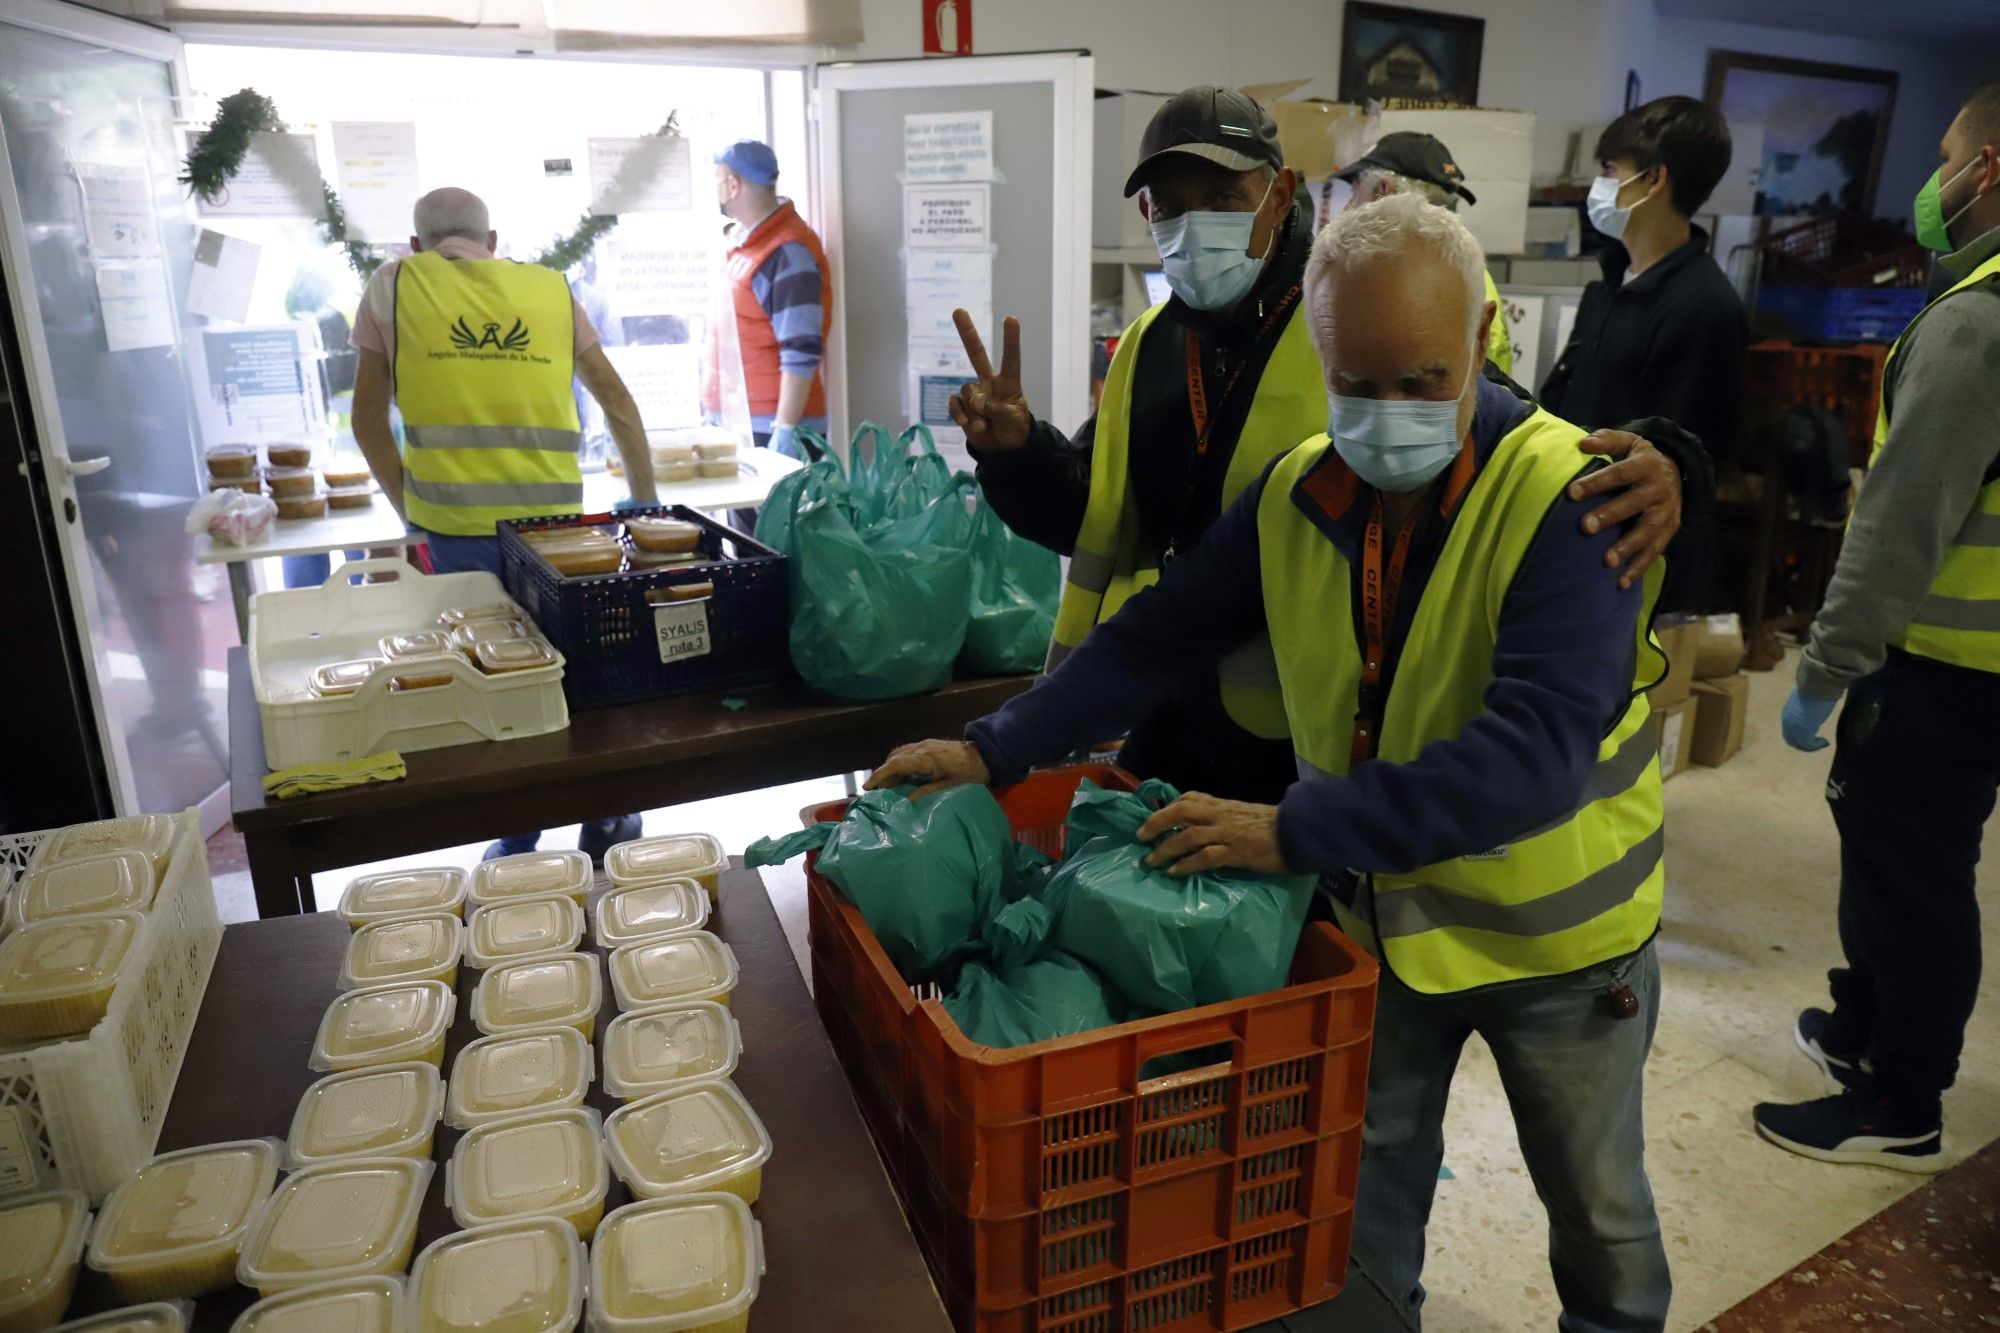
(628, 504)
(781, 440)
(1803, 719)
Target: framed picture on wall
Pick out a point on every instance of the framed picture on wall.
(1825, 129)
(1391, 53)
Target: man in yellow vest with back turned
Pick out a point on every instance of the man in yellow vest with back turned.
(1203, 392)
(1911, 634)
(1475, 775)
(479, 354)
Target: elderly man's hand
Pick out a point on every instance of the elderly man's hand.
(1207, 833)
(994, 413)
(1648, 487)
(931, 766)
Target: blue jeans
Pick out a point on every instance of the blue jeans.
(1573, 1076)
(309, 571)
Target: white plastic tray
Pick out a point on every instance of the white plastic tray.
(295, 631)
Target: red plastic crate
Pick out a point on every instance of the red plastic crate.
(1052, 1187)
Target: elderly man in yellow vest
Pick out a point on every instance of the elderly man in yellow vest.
(479, 354)
(1463, 681)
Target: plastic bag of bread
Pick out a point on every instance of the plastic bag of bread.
(232, 518)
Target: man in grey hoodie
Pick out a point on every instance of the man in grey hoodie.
(1911, 634)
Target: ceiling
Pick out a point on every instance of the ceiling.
(1919, 22)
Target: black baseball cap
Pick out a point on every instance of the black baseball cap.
(1421, 157)
(1219, 125)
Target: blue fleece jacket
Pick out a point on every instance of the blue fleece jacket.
(1562, 676)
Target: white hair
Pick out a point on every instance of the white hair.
(1397, 183)
(1393, 227)
(450, 211)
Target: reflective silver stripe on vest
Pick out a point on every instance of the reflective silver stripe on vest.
(1980, 530)
(1090, 570)
(541, 439)
(1422, 907)
(1958, 613)
(1309, 771)
(1057, 652)
(1609, 777)
(1254, 666)
(554, 495)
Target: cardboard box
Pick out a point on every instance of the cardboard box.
(1718, 646)
(1496, 151)
(1318, 137)
(1679, 640)
(1671, 727)
(1719, 709)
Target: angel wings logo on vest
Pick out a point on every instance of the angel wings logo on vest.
(514, 340)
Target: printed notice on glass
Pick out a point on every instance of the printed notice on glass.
(948, 146)
(279, 178)
(682, 629)
(934, 410)
(257, 383)
(936, 282)
(223, 276)
(133, 298)
(646, 175)
(947, 217)
(376, 161)
(665, 381)
(657, 278)
(118, 210)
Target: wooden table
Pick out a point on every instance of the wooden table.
(608, 762)
(839, 1254)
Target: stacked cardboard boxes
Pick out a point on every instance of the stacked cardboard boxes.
(1700, 704)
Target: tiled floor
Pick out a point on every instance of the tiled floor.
(1749, 932)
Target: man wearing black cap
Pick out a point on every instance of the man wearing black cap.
(1203, 393)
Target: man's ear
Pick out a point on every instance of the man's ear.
(416, 246)
(493, 241)
(1662, 185)
(1284, 189)
(1487, 315)
(1139, 201)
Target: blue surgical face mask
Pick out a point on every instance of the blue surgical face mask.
(1395, 445)
(1602, 205)
(1206, 255)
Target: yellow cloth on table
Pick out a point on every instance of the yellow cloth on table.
(287, 782)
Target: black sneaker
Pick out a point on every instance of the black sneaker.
(1844, 1066)
(600, 836)
(1854, 1128)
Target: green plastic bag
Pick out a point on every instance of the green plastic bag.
(774, 518)
(1015, 587)
(925, 874)
(1167, 944)
(1054, 996)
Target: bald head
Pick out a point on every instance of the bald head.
(450, 212)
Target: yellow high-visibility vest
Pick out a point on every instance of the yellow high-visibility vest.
(1111, 562)
(1499, 347)
(485, 352)
(1583, 889)
(1959, 621)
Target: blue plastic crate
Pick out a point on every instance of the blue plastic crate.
(620, 649)
(1842, 314)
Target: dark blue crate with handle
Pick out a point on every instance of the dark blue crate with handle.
(1840, 314)
(625, 639)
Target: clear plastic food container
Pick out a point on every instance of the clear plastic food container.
(231, 462)
(383, 1111)
(560, 989)
(385, 1025)
(409, 948)
(673, 970)
(114, 882)
(56, 977)
(458, 615)
(674, 472)
(41, 1236)
(420, 643)
(403, 893)
(703, 1136)
(357, 1305)
(544, 1164)
(715, 469)
(652, 1050)
(531, 875)
(670, 535)
(176, 1228)
(346, 473)
(287, 483)
(350, 497)
(496, 657)
(521, 928)
(152, 1317)
(342, 678)
(355, 1217)
(538, 1069)
(152, 836)
(695, 856)
(525, 1276)
(289, 455)
(648, 911)
(691, 1263)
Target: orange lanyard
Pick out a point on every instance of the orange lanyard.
(1380, 589)
(1197, 382)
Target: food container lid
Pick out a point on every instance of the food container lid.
(534, 1069)
(530, 875)
(522, 1276)
(41, 1236)
(404, 948)
(677, 1263)
(114, 882)
(421, 643)
(659, 528)
(573, 564)
(403, 893)
(382, 1025)
(153, 1317)
(518, 928)
(356, 1305)
(473, 631)
(289, 472)
(652, 1050)
(152, 836)
(514, 655)
(694, 966)
(641, 558)
(344, 677)
(230, 451)
(346, 1218)
(685, 1139)
(709, 449)
(645, 911)
(66, 956)
(538, 992)
(379, 1111)
(458, 615)
(188, 1205)
(667, 856)
(544, 1163)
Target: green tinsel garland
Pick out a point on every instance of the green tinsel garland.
(218, 153)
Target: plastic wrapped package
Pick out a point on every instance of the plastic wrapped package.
(114, 882)
(672, 970)
(232, 517)
(352, 1217)
(692, 1263)
(41, 1236)
(690, 1139)
(563, 989)
(397, 893)
(385, 1025)
(57, 977)
(531, 875)
(356, 1305)
(695, 856)
(536, 1069)
(648, 911)
(410, 948)
(380, 1111)
(524, 1276)
(653, 1050)
(544, 1164)
(519, 928)
(176, 1228)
